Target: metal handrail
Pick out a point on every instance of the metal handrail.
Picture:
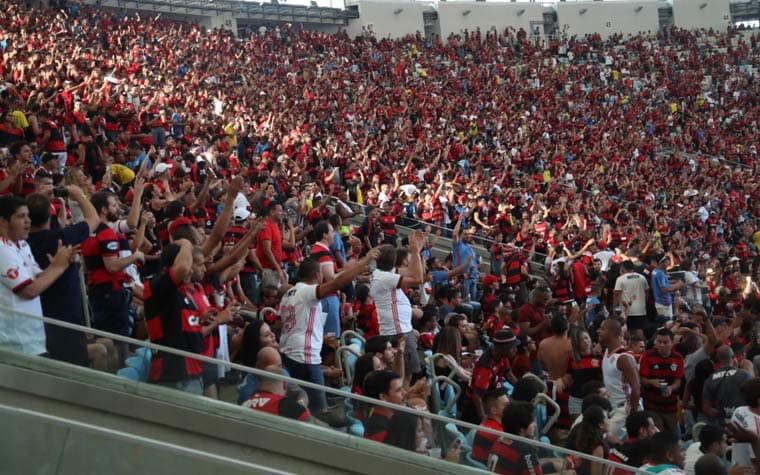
(348, 373)
(5, 311)
(457, 392)
(555, 413)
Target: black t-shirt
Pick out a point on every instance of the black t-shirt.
(172, 320)
(63, 299)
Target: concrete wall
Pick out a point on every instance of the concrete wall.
(388, 19)
(608, 18)
(224, 21)
(692, 14)
(454, 17)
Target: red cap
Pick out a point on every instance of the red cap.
(177, 223)
(490, 279)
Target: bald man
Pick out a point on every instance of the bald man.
(620, 375)
(266, 357)
(720, 395)
(272, 397)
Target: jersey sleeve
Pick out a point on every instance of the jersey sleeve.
(13, 274)
(481, 379)
(108, 242)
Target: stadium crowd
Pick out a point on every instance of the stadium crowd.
(205, 178)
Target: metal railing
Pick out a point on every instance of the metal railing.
(6, 312)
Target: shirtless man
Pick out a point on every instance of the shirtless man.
(554, 350)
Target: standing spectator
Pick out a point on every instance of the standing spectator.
(23, 280)
(394, 311)
(324, 235)
(269, 248)
(461, 249)
(303, 323)
(106, 277)
(583, 365)
(621, 377)
(531, 316)
(663, 289)
(661, 371)
(631, 293)
(63, 299)
(489, 374)
(371, 230)
(719, 396)
(174, 320)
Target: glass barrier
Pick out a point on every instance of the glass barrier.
(421, 417)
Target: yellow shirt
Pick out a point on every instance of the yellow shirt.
(19, 120)
(122, 174)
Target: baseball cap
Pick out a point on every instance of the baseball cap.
(504, 337)
(241, 214)
(490, 279)
(162, 167)
(178, 223)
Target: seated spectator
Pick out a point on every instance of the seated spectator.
(712, 440)
(272, 397)
(590, 438)
(665, 456)
(255, 336)
(385, 386)
(747, 417)
(494, 403)
(640, 428)
(509, 457)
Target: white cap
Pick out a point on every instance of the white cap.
(241, 214)
(162, 167)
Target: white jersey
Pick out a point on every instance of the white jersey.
(302, 324)
(394, 312)
(17, 270)
(742, 452)
(619, 390)
(634, 288)
(604, 257)
(693, 289)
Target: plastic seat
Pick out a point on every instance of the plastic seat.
(470, 462)
(140, 365)
(129, 373)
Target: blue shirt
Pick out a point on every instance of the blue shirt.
(460, 251)
(659, 284)
(337, 247)
(135, 164)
